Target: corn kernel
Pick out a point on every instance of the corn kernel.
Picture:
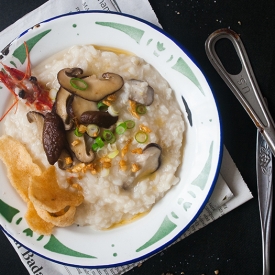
(137, 151)
(75, 142)
(94, 171)
(82, 129)
(106, 164)
(92, 168)
(104, 159)
(126, 147)
(68, 160)
(112, 97)
(145, 128)
(135, 167)
(106, 102)
(133, 106)
(78, 168)
(123, 165)
(77, 186)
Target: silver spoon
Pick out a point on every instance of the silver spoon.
(243, 84)
(245, 88)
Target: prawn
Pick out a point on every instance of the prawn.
(25, 86)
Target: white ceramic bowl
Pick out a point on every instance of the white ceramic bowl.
(172, 215)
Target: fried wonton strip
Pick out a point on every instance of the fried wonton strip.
(66, 219)
(20, 167)
(45, 193)
(36, 223)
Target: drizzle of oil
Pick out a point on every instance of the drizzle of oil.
(152, 176)
(159, 122)
(112, 49)
(124, 222)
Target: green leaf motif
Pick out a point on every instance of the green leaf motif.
(180, 201)
(170, 59)
(192, 194)
(165, 228)
(19, 221)
(156, 54)
(20, 52)
(13, 64)
(28, 232)
(133, 32)
(160, 47)
(182, 67)
(174, 215)
(7, 211)
(202, 178)
(40, 237)
(56, 246)
(149, 41)
(187, 205)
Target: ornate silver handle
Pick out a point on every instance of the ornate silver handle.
(245, 88)
(244, 84)
(265, 196)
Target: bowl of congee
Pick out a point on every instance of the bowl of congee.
(110, 141)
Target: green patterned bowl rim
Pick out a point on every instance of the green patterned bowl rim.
(189, 198)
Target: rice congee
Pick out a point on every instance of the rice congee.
(112, 190)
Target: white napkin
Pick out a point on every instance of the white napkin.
(230, 190)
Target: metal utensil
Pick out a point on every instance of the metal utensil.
(265, 196)
(116, 6)
(243, 84)
(245, 88)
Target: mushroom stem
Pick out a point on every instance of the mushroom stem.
(151, 161)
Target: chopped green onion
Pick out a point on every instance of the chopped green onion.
(129, 124)
(102, 106)
(112, 111)
(141, 109)
(98, 143)
(92, 130)
(78, 83)
(95, 146)
(120, 129)
(77, 133)
(108, 136)
(141, 137)
(113, 154)
(105, 172)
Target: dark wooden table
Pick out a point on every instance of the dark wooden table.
(231, 244)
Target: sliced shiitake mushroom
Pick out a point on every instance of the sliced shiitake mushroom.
(79, 147)
(101, 119)
(91, 87)
(61, 102)
(150, 160)
(140, 91)
(65, 160)
(74, 72)
(38, 119)
(76, 105)
(53, 137)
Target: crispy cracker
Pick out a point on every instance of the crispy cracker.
(63, 220)
(36, 223)
(46, 194)
(20, 167)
